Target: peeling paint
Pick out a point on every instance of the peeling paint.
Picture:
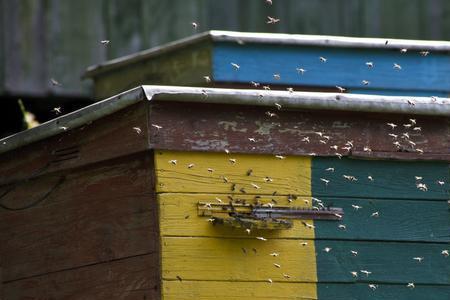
(264, 128)
(231, 126)
(207, 144)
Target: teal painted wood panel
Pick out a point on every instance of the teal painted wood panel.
(397, 220)
(361, 291)
(344, 67)
(389, 262)
(391, 179)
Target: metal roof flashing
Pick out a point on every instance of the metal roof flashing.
(288, 100)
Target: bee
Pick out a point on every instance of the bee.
(210, 170)
(194, 25)
(54, 82)
(301, 71)
(365, 272)
(329, 169)
(370, 64)
(365, 82)
(342, 226)
(424, 53)
(327, 249)
(255, 186)
(261, 238)
(255, 84)
(173, 161)
(190, 166)
(445, 253)
(137, 129)
(269, 280)
(325, 181)
(375, 214)
(156, 126)
(277, 76)
(354, 253)
(354, 274)
(392, 125)
(305, 139)
(397, 66)
(57, 110)
(235, 66)
(280, 156)
(290, 90)
(373, 286)
(277, 265)
(278, 106)
(232, 161)
(207, 79)
(341, 89)
(418, 259)
(286, 276)
(272, 20)
(249, 172)
(274, 254)
(322, 59)
(411, 285)
(304, 244)
(356, 207)
(105, 42)
(404, 50)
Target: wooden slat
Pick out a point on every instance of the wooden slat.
(100, 213)
(398, 220)
(200, 127)
(194, 258)
(389, 262)
(178, 217)
(107, 138)
(383, 291)
(391, 179)
(219, 290)
(225, 290)
(344, 67)
(289, 176)
(131, 278)
(182, 67)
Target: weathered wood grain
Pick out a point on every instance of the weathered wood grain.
(107, 138)
(289, 176)
(344, 67)
(398, 220)
(99, 213)
(358, 291)
(220, 127)
(389, 262)
(391, 179)
(178, 215)
(229, 259)
(182, 67)
(226, 290)
(219, 290)
(221, 259)
(131, 278)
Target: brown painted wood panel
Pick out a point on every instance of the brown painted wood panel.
(131, 278)
(208, 127)
(99, 213)
(106, 138)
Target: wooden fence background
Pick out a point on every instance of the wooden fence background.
(43, 39)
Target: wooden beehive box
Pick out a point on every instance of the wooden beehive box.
(146, 196)
(360, 65)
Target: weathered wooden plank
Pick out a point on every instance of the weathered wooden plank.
(130, 278)
(182, 67)
(219, 290)
(389, 262)
(225, 290)
(99, 213)
(398, 220)
(192, 258)
(383, 291)
(97, 141)
(390, 179)
(178, 216)
(344, 67)
(220, 127)
(215, 173)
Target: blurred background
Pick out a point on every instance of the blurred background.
(46, 45)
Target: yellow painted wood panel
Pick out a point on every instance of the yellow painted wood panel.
(178, 217)
(216, 173)
(229, 259)
(217, 290)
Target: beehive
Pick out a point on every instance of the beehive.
(114, 201)
(281, 61)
